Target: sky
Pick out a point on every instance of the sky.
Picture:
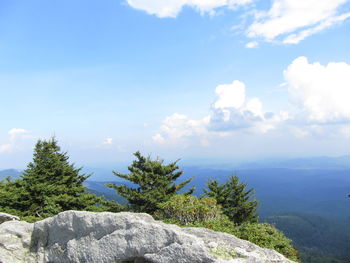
(190, 79)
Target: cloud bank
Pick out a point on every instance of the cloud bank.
(319, 106)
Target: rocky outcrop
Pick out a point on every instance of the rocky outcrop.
(7, 217)
(15, 238)
(72, 237)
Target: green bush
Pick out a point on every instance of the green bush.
(264, 235)
(187, 209)
(267, 236)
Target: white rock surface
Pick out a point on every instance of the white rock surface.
(77, 237)
(15, 238)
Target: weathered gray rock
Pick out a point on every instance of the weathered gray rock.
(7, 217)
(15, 238)
(73, 237)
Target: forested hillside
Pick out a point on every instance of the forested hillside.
(318, 239)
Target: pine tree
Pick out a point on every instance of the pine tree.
(50, 184)
(154, 183)
(235, 199)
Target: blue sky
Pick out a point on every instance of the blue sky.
(192, 79)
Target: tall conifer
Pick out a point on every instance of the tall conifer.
(50, 184)
(154, 183)
(235, 199)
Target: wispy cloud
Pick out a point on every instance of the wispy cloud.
(171, 8)
(178, 129)
(286, 21)
(291, 21)
(252, 44)
(108, 141)
(14, 135)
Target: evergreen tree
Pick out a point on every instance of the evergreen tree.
(50, 184)
(155, 183)
(10, 196)
(235, 200)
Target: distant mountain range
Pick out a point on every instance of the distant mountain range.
(322, 162)
(104, 173)
(12, 173)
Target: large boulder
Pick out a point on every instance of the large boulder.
(72, 237)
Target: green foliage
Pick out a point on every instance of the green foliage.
(267, 236)
(50, 185)
(235, 200)
(154, 183)
(187, 209)
(222, 224)
(10, 196)
(263, 235)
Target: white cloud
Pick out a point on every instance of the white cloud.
(106, 144)
(177, 127)
(158, 138)
(292, 21)
(230, 95)
(14, 135)
(252, 44)
(171, 8)
(15, 132)
(5, 148)
(319, 108)
(297, 37)
(232, 110)
(286, 21)
(320, 93)
(108, 141)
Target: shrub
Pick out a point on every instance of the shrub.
(187, 209)
(267, 236)
(264, 235)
